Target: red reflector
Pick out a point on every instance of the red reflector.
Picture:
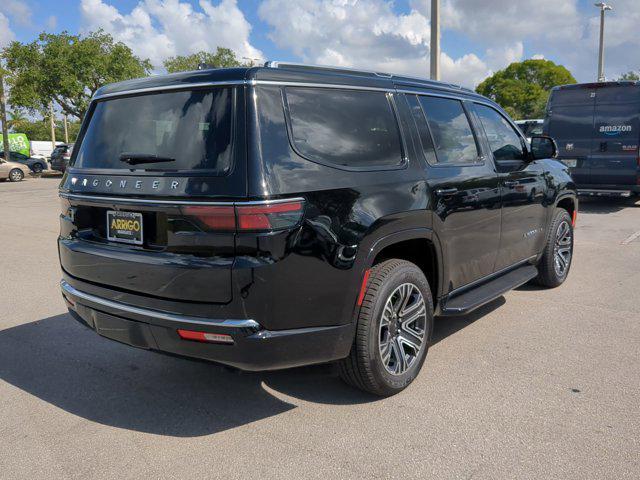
(574, 217)
(204, 336)
(217, 218)
(68, 300)
(363, 287)
(269, 216)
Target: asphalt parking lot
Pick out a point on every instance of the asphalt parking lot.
(538, 384)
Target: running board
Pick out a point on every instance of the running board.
(469, 300)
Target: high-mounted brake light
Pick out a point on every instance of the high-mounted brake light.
(205, 337)
(248, 217)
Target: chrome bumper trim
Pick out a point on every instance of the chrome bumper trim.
(229, 323)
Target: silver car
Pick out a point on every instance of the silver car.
(14, 171)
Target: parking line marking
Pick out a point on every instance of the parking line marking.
(631, 238)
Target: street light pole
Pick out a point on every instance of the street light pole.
(435, 40)
(603, 8)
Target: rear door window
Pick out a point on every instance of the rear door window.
(451, 131)
(505, 143)
(349, 128)
(194, 128)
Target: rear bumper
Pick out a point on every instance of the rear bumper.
(254, 348)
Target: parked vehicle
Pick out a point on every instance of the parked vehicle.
(13, 171)
(288, 215)
(18, 142)
(42, 149)
(530, 127)
(60, 157)
(35, 165)
(597, 129)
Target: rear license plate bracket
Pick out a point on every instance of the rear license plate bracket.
(124, 227)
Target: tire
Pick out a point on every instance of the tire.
(37, 168)
(559, 239)
(373, 365)
(16, 175)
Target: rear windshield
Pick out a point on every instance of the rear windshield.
(189, 130)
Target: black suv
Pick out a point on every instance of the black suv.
(285, 215)
(60, 157)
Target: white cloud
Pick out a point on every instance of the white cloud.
(52, 22)
(6, 34)
(19, 12)
(365, 34)
(157, 29)
(555, 29)
(499, 57)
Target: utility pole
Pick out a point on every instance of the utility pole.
(435, 40)
(66, 131)
(53, 126)
(3, 117)
(603, 8)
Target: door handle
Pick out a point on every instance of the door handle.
(510, 184)
(446, 192)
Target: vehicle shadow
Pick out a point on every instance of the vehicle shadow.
(603, 205)
(62, 363)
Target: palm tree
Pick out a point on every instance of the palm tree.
(15, 118)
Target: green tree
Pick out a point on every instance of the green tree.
(522, 88)
(41, 130)
(14, 118)
(67, 69)
(221, 58)
(631, 75)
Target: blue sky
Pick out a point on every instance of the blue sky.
(478, 37)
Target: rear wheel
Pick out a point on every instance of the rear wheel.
(558, 251)
(16, 175)
(37, 168)
(393, 332)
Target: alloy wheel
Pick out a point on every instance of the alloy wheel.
(402, 328)
(16, 175)
(563, 249)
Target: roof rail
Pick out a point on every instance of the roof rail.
(356, 71)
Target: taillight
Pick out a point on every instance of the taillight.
(248, 217)
(275, 216)
(215, 218)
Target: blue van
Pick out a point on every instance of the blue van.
(596, 126)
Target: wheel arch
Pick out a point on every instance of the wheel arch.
(568, 203)
(419, 246)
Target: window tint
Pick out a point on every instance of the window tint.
(452, 135)
(422, 127)
(192, 127)
(349, 128)
(505, 143)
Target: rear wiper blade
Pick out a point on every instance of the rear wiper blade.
(138, 158)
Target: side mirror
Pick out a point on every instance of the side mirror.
(543, 147)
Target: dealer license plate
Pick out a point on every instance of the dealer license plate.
(125, 227)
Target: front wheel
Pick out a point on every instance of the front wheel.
(37, 168)
(393, 332)
(16, 175)
(558, 251)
